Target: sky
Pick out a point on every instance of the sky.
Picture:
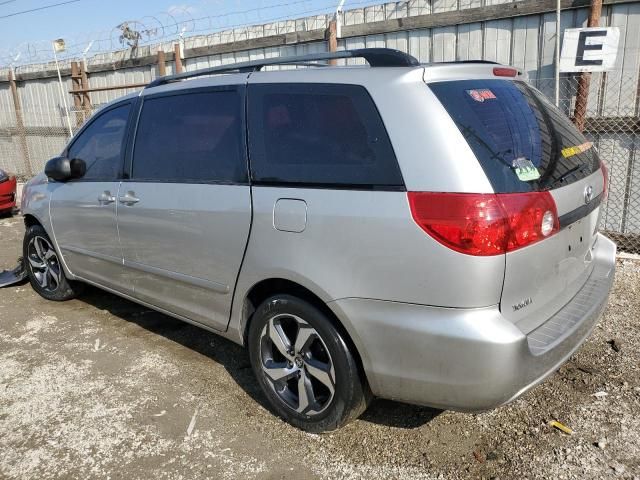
(29, 34)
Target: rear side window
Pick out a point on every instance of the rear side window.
(100, 144)
(192, 137)
(319, 135)
(521, 140)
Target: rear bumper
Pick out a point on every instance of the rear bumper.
(469, 359)
(7, 195)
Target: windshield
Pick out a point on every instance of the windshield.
(521, 140)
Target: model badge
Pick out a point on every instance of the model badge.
(588, 194)
(526, 302)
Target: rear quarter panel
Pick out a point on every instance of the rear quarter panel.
(362, 244)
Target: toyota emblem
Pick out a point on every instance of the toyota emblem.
(588, 194)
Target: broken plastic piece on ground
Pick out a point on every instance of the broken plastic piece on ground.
(12, 277)
(561, 427)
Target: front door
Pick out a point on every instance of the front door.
(184, 215)
(83, 211)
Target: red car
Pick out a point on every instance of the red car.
(7, 192)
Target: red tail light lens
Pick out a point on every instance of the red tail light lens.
(605, 177)
(485, 223)
(505, 72)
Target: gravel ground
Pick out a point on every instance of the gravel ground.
(102, 388)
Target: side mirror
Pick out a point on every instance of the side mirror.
(62, 169)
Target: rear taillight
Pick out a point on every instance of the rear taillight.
(605, 178)
(485, 223)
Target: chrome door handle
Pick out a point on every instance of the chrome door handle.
(129, 199)
(106, 198)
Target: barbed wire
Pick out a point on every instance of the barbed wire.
(179, 22)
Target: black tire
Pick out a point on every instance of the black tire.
(325, 347)
(44, 270)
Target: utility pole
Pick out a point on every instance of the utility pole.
(584, 81)
(58, 46)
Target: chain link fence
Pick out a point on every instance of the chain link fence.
(32, 137)
(611, 122)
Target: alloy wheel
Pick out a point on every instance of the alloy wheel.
(44, 263)
(297, 364)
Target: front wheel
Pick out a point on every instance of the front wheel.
(304, 365)
(44, 268)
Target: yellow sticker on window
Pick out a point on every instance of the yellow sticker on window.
(571, 151)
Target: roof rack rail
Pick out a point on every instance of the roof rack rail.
(376, 57)
(475, 61)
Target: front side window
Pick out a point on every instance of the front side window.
(191, 138)
(319, 135)
(100, 145)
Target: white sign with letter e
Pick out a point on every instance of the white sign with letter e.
(589, 49)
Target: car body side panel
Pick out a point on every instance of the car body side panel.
(183, 245)
(35, 201)
(363, 244)
(86, 231)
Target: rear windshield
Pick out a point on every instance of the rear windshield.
(522, 141)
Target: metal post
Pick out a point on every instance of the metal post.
(558, 9)
(162, 68)
(333, 41)
(584, 81)
(22, 135)
(339, 19)
(62, 96)
(84, 83)
(177, 57)
(76, 84)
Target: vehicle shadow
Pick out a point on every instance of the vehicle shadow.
(235, 358)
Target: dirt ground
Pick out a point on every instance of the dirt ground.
(102, 388)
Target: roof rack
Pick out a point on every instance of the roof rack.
(376, 57)
(490, 62)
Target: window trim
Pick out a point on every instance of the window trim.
(324, 185)
(125, 140)
(240, 89)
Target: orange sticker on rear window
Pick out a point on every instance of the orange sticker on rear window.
(481, 95)
(571, 151)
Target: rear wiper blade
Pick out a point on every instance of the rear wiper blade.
(577, 169)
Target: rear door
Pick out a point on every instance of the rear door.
(525, 144)
(184, 215)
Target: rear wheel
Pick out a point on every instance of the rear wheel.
(44, 268)
(304, 365)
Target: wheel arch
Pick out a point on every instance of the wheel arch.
(31, 220)
(269, 287)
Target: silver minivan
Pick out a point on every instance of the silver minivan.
(423, 233)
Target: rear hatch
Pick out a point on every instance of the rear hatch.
(525, 144)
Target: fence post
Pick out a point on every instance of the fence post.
(162, 67)
(333, 40)
(177, 58)
(84, 83)
(22, 134)
(584, 81)
(76, 84)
